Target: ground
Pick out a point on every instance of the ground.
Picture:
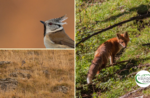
(37, 74)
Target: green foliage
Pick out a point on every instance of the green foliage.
(99, 14)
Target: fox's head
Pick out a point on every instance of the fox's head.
(123, 39)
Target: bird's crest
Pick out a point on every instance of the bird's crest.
(60, 20)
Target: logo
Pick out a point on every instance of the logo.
(142, 78)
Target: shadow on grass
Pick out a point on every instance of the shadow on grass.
(125, 70)
(141, 10)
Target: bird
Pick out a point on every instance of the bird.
(54, 34)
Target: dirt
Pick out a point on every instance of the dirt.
(21, 73)
(46, 73)
(11, 83)
(4, 62)
(61, 88)
(7, 84)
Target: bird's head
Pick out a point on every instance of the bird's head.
(54, 25)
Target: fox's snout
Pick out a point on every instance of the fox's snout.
(123, 39)
(123, 44)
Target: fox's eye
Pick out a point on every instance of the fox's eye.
(50, 23)
(121, 42)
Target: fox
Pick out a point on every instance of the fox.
(106, 51)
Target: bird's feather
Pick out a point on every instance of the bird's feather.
(60, 37)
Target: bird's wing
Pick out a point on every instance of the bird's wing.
(68, 42)
(62, 38)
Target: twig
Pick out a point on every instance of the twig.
(146, 65)
(108, 28)
(140, 89)
(118, 63)
(145, 44)
(140, 66)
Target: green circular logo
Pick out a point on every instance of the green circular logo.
(142, 78)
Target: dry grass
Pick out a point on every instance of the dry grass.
(44, 74)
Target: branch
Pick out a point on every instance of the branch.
(140, 66)
(108, 28)
(140, 89)
(118, 63)
(145, 44)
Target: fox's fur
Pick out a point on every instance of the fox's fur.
(105, 51)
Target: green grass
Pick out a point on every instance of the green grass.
(91, 17)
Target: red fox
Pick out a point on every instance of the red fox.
(107, 50)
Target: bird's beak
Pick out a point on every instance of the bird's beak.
(42, 22)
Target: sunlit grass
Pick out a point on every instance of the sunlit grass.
(99, 15)
(48, 69)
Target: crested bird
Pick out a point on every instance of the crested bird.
(54, 34)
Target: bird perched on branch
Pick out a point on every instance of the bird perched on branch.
(54, 34)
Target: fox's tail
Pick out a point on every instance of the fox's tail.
(96, 64)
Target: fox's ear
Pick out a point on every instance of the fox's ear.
(125, 34)
(118, 36)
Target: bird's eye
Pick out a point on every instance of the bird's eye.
(50, 23)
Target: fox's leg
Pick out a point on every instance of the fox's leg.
(112, 59)
(98, 70)
(102, 66)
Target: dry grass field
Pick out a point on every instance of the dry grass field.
(37, 74)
